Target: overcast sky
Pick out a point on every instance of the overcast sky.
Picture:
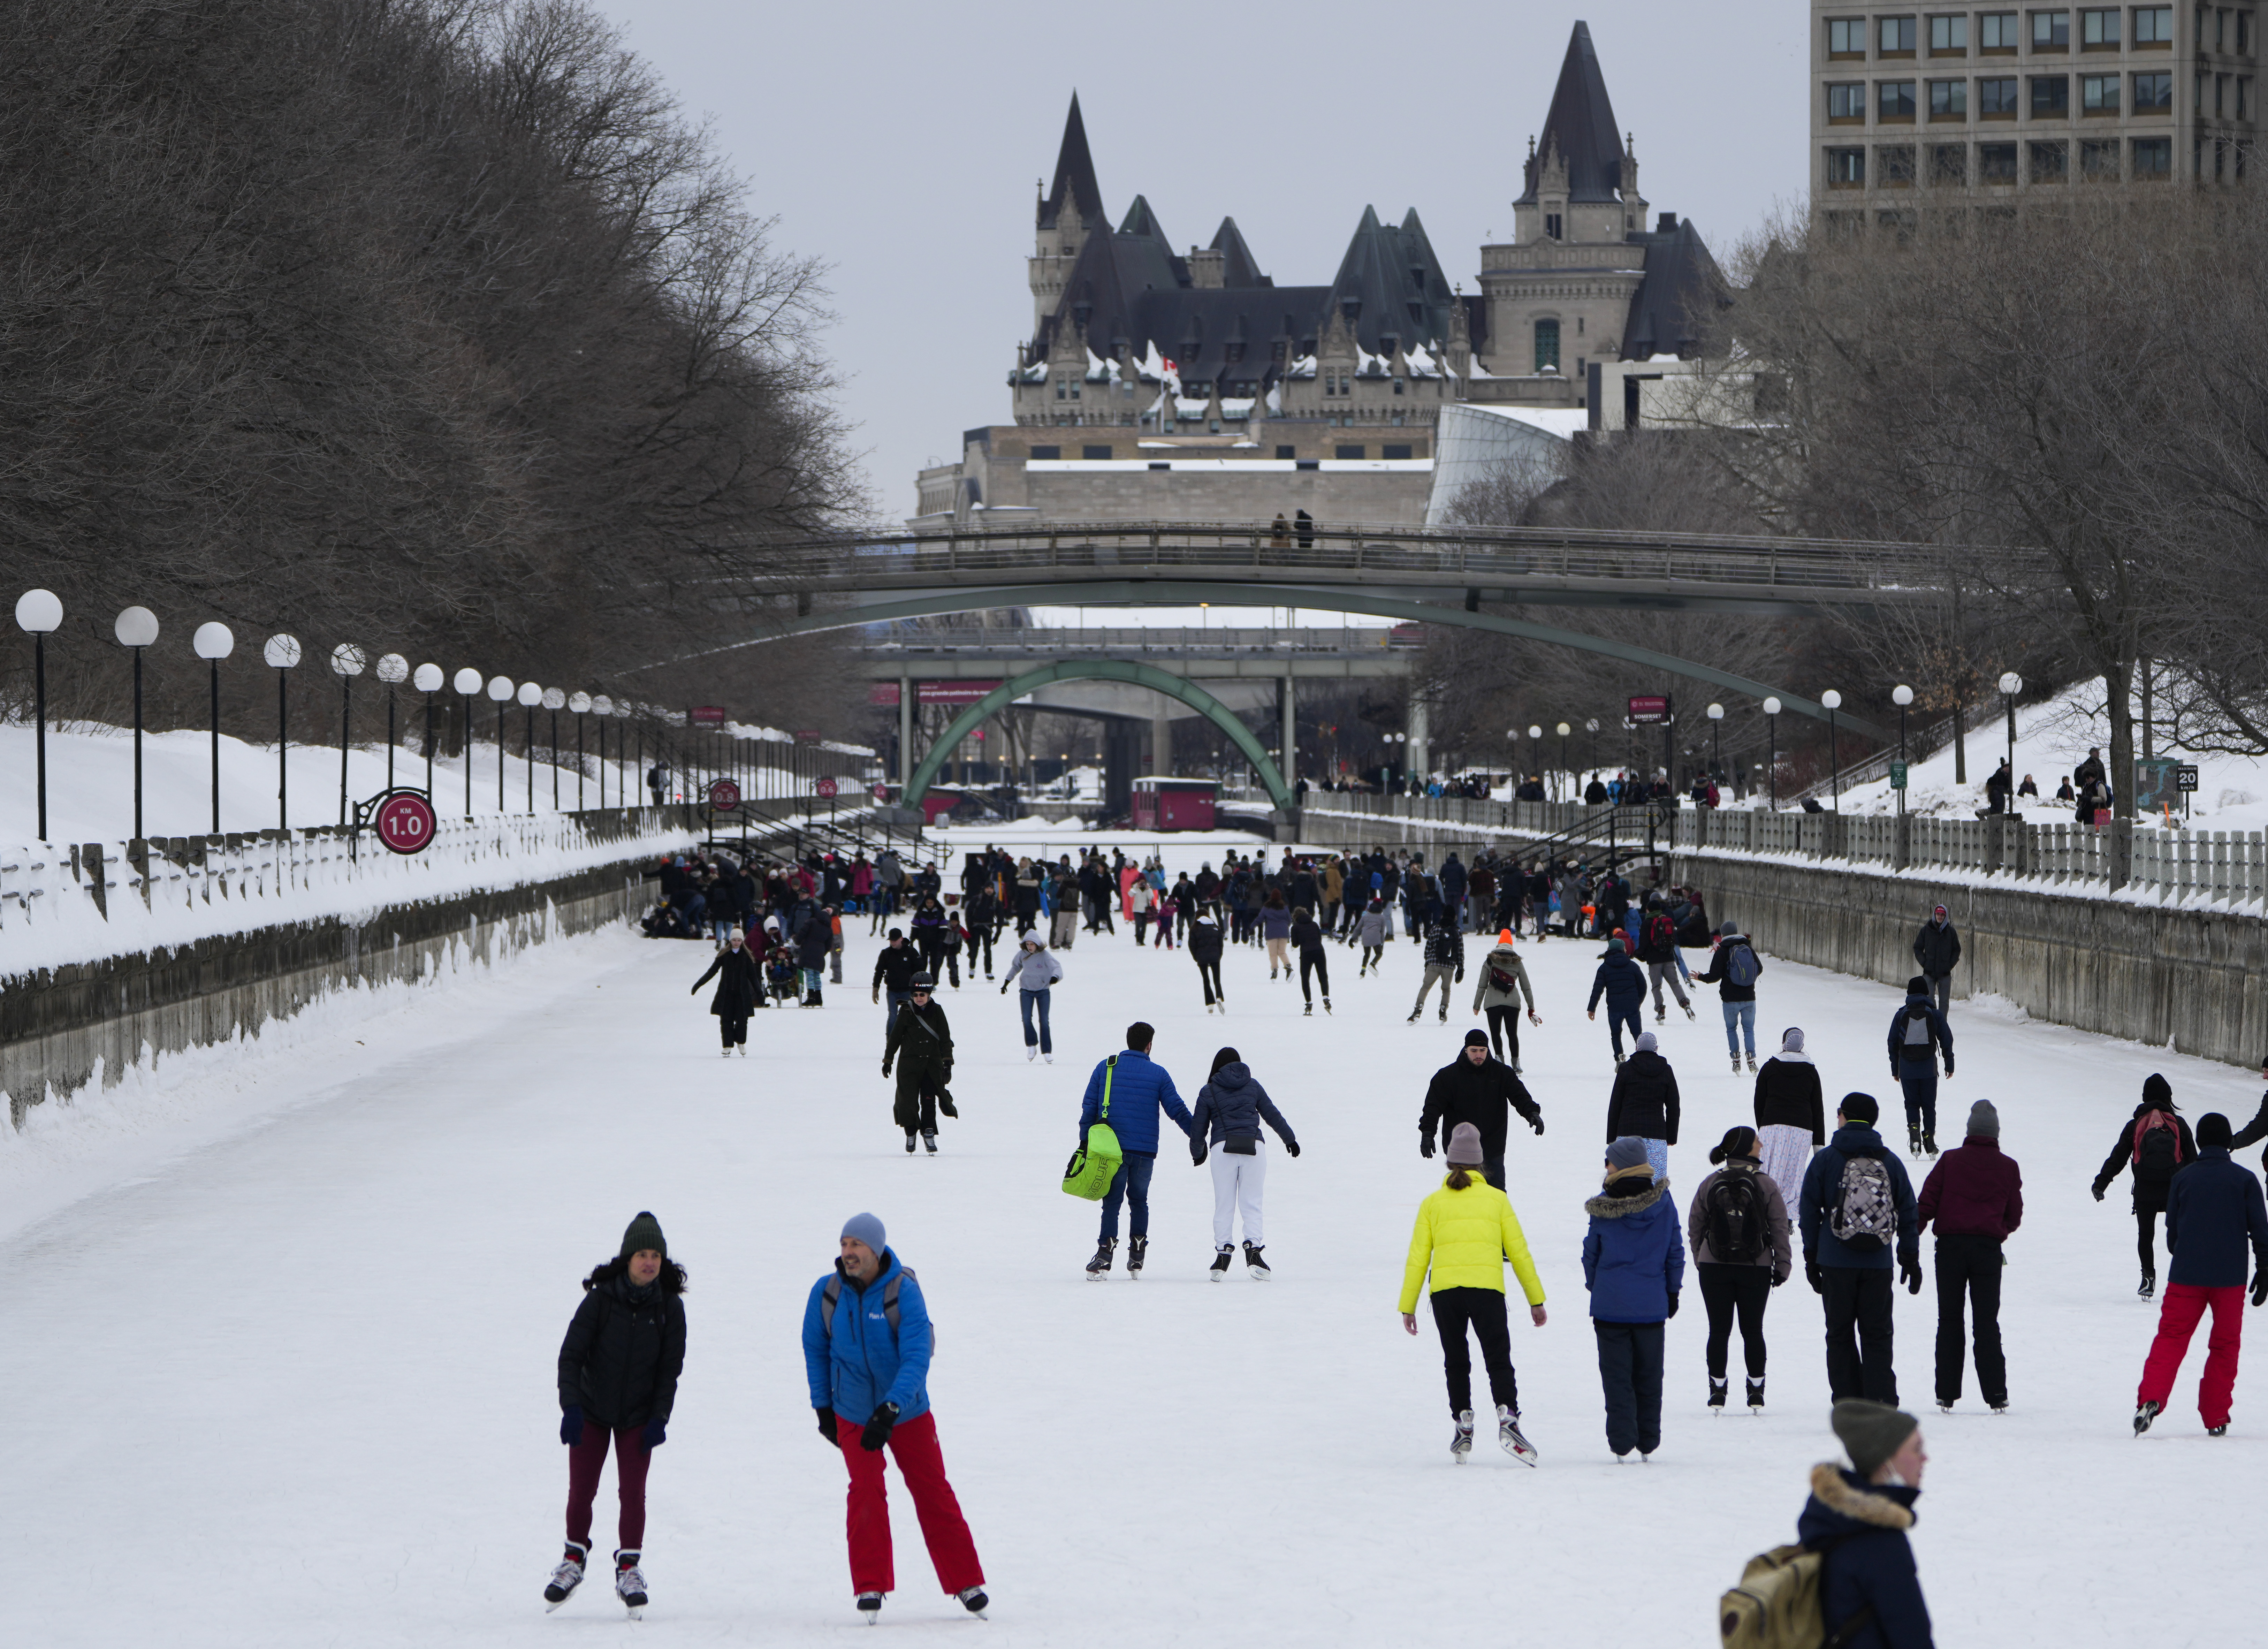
(900, 142)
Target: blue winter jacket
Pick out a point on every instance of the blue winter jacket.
(1139, 1088)
(2213, 1208)
(1622, 980)
(1822, 1190)
(1634, 1253)
(1275, 923)
(862, 1363)
(1941, 1037)
(1232, 1106)
(1872, 1565)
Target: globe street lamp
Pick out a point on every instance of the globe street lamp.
(500, 689)
(214, 642)
(580, 703)
(1715, 741)
(1535, 750)
(554, 701)
(39, 614)
(531, 695)
(1901, 695)
(2011, 684)
(1771, 749)
(347, 663)
(281, 653)
(1590, 727)
(393, 669)
(135, 628)
(468, 683)
(428, 681)
(1563, 731)
(1833, 701)
(602, 706)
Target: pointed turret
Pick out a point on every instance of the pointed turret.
(1581, 128)
(1074, 177)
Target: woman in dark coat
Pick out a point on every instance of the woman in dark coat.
(739, 992)
(920, 1044)
(618, 1373)
(2156, 1142)
(1791, 1115)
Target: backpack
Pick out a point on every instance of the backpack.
(1660, 937)
(2157, 1146)
(1742, 966)
(832, 1293)
(1776, 1606)
(1864, 1215)
(1096, 1162)
(1734, 1220)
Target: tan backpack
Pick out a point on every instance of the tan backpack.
(1776, 1606)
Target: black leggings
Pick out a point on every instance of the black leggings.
(2145, 1238)
(733, 1027)
(1503, 1026)
(1320, 965)
(1453, 1309)
(1726, 1290)
(1209, 976)
(1370, 955)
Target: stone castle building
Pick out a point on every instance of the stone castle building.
(1189, 386)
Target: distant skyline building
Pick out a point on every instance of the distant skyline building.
(1190, 386)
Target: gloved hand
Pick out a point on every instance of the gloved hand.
(657, 1433)
(1779, 1277)
(886, 1067)
(1197, 1154)
(2260, 1288)
(570, 1426)
(1292, 1147)
(1910, 1274)
(1536, 1124)
(827, 1425)
(694, 991)
(875, 997)
(1673, 1302)
(878, 1429)
(2098, 1193)
(1426, 1146)
(1004, 990)
(1814, 1276)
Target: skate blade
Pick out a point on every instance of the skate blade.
(637, 1611)
(1525, 1456)
(548, 1606)
(1257, 1276)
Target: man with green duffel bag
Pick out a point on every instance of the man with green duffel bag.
(1123, 1095)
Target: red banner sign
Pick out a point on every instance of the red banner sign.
(1649, 712)
(707, 715)
(885, 693)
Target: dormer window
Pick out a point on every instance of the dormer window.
(1552, 229)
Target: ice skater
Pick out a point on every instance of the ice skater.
(1127, 1090)
(1734, 969)
(739, 991)
(1034, 973)
(1307, 939)
(1737, 1228)
(2213, 1214)
(1791, 1114)
(1919, 1036)
(866, 1346)
(1227, 1116)
(1503, 983)
(1204, 950)
(1465, 1233)
(2156, 1142)
(1634, 1265)
(618, 1372)
(1445, 966)
(1623, 983)
(920, 1044)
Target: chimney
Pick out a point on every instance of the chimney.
(1207, 268)
(1666, 223)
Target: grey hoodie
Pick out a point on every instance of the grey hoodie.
(1033, 970)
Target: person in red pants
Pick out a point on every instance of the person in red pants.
(865, 1348)
(2213, 1211)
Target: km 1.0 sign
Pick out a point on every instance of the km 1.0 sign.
(405, 822)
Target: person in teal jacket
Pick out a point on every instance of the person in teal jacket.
(867, 1344)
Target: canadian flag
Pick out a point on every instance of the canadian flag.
(1173, 367)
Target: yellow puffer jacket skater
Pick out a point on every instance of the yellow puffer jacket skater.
(1464, 1237)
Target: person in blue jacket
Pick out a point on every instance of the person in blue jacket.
(1137, 1087)
(1857, 1211)
(867, 1344)
(1919, 1037)
(1858, 1520)
(1623, 983)
(1634, 1265)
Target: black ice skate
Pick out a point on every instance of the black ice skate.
(1255, 1264)
(870, 1606)
(1756, 1396)
(2143, 1415)
(1327, 1005)
(2149, 1285)
(1221, 1258)
(929, 1141)
(566, 1577)
(1717, 1391)
(974, 1601)
(1099, 1266)
(629, 1584)
(909, 1141)
(1928, 1144)
(1461, 1445)
(1138, 1250)
(1913, 1140)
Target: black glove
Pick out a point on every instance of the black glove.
(1536, 1122)
(878, 1429)
(2260, 1288)
(1814, 1276)
(886, 1067)
(1673, 1302)
(1779, 1277)
(1426, 1146)
(570, 1426)
(2098, 1193)
(657, 1433)
(1197, 1154)
(827, 1425)
(1292, 1147)
(1910, 1274)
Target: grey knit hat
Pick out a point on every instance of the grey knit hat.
(1629, 1152)
(1871, 1432)
(645, 1233)
(868, 1230)
(1647, 1042)
(1465, 1146)
(1982, 1119)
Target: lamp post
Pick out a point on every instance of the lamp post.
(530, 695)
(428, 682)
(393, 669)
(580, 703)
(468, 683)
(1716, 741)
(1901, 695)
(554, 701)
(282, 652)
(602, 706)
(1833, 701)
(1590, 727)
(38, 613)
(346, 664)
(135, 628)
(213, 643)
(2011, 684)
(500, 691)
(1771, 749)
(1563, 731)
(1535, 750)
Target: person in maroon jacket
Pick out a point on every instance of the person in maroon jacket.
(1975, 1195)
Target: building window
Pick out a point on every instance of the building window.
(2098, 94)
(2051, 31)
(1996, 163)
(2153, 94)
(1996, 32)
(1547, 345)
(1949, 165)
(1288, 453)
(2153, 25)
(1948, 100)
(1095, 454)
(1060, 392)
(2244, 32)
(2219, 95)
(1847, 37)
(1895, 99)
(1948, 36)
(2098, 31)
(1898, 37)
(1044, 453)
(1894, 167)
(2244, 97)
(1553, 227)
(2051, 162)
(1394, 452)
(2050, 97)
(1846, 101)
(1350, 452)
(2098, 161)
(1996, 100)
(1846, 168)
(1397, 386)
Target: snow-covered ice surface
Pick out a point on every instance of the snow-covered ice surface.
(284, 1371)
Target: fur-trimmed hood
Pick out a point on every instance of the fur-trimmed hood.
(1832, 1488)
(1608, 1205)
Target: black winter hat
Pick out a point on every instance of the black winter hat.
(1476, 1039)
(2157, 1092)
(2213, 1132)
(644, 1232)
(1860, 1108)
(1917, 986)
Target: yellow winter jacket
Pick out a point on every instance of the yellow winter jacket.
(1465, 1236)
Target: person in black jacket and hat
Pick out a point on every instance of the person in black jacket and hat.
(1937, 953)
(1483, 1091)
(920, 1043)
(739, 991)
(1644, 1103)
(1869, 1590)
(894, 968)
(2156, 1142)
(618, 1372)
(1918, 1037)
(2256, 1130)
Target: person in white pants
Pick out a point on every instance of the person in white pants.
(1227, 1119)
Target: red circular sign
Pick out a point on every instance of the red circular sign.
(405, 822)
(881, 792)
(724, 795)
(823, 788)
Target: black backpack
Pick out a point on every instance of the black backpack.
(1734, 1220)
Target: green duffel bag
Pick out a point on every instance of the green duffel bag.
(1097, 1161)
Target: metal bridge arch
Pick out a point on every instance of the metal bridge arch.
(1100, 670)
